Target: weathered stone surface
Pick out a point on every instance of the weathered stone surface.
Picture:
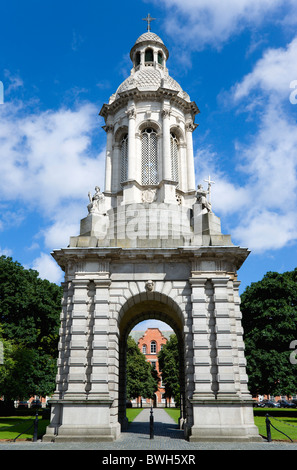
(150, 228)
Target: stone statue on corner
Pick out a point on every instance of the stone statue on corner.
(96, 205)
(202, 198)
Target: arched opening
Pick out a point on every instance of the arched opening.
(131, 314)
(137, 59)
(149, 56)
(160, 58)
(150, 336)
(124, 158)
(174, 153)
(149, 157)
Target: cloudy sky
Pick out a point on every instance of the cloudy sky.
(61, 61)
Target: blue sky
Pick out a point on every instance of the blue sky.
(61, 61)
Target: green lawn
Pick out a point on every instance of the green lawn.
(131, 413)
(12, 426)
(174, 413)
(288, 425)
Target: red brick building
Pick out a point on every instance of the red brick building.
(150, 343)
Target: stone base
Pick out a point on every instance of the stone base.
(82, 434)
(73, 420)
(224, 421)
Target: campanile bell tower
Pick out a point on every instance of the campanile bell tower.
(150, 246)
(149, 125)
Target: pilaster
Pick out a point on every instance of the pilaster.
(77, 353)
(202, 331)
(100, 340)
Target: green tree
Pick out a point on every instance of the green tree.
(29, 318)
(169, 366)
(142, 379)
(269, 310)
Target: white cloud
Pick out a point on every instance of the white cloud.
(273, 73)
(264, 198)
(48, 165)
(5, 251)
(46, 157)
(227, 197)
(267, 230)
(48, 268)
(197, 23)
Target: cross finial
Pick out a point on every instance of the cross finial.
(209, 186)
(149, 19)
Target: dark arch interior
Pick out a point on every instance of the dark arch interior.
(145, 310)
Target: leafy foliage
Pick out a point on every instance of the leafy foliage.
(269, 309)
(29, 318)
(142, 379)
(169, 366)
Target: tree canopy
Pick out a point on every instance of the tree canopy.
(269, 310)
(29, 318)
(142, 379)
(169, 366)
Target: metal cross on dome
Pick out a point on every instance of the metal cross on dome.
(149, 19)
(209, 186)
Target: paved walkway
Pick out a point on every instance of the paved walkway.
(167, 436)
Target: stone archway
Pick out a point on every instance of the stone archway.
(149, 305)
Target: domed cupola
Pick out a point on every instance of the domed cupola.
(149, 51)
(149, 124)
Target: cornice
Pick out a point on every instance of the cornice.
(233, 254)
(155, 95)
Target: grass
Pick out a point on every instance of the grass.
(173, 412)
(131, 413)
(12, 426)
(287, 425)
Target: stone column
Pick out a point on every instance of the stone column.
(131, 143)
(166, 145)
(77, 352)
(63, 346)
(168, 189)
(99, 375)
(108, 162)
(190, 127)
(224, 339)
(241, 360)
(116, 169)
(201, 329)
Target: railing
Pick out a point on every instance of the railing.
(151, 424)
(35, 431)
(268, 430)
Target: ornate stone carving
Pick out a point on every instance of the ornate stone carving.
(149, 195)
(96, 205)
(149, 286)
(131, 113)
(202, 197)
(108, 128)
(166, 113)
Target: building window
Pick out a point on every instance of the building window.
(174, 156)
(153, 364)
(149, 157)
(124, 158)
(144, 349)
(153, 347)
